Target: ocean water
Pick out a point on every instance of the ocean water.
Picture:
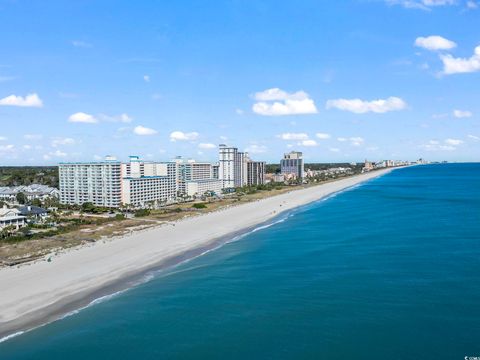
(387, 270)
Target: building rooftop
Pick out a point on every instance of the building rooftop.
(32, 210)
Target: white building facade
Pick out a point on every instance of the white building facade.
(226, 161)
(236, 169)
(99, 183)
(149, 184)
(196, 188)
(11, 217)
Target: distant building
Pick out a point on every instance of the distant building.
(197, 175)
(33, 211)
(368, 165)
(31, 192)
(292, 164)
(99, 183)
(149, 183)
(236, 169)
(256, 172)
(11, 217)
(200, 187)
(227, 159)
(277, 178)
(215, 168)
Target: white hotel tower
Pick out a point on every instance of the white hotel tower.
(97, 182)
(226, 171)
(237, 169)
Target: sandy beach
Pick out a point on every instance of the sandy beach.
(43, 291)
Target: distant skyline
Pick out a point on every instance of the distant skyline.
(374, 79)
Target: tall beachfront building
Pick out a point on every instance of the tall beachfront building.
(240, 169)
(237, 169)
(292, 164)
(255, 172)
(99, 183)
(148, 183)
(197, 178)
(227, 157)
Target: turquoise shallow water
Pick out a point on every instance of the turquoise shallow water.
(387, 270)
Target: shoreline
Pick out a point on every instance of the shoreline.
(43, 292)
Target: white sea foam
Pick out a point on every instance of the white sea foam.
(8, 337)
(93, 302)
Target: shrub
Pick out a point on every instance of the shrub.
(142, 212)
(199, 206)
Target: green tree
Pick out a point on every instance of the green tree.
(88, 207)
(142, 212)
(21, 198)
(37, 202)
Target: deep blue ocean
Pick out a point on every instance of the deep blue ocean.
(387, 270)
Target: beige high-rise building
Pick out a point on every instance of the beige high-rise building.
(292, 165)
(256, 172)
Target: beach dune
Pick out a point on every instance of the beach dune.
(43, 291)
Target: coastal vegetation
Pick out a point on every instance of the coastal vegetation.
(26, 175)
(74, 225)
(199, 206)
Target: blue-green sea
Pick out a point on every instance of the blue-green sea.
(389, 269)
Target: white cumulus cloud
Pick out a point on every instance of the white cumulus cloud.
(143, 131)
(293, 136)
(307, 143)
(63, 141)
(7, 148)
(453, 142)
(207, 146)
(56, 153)
(446, 145)
(361, 106)
(32, 136)
(122, 118)
(452, 65)
(435, 42)
(277, 102)
(182, 136)
(31, 100)
(81, 117)
(322, 136)
(462, 113)
(81, 44)
(356, 140)
(472, 4)
(421, 4)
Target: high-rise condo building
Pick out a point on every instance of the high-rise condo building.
(256, 172)
(240, 168)
(227, 159)
(197, 178)
(237, 169)
(148, 183)
(99, 183)
(292, 164)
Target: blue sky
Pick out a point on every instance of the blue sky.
(358, 79)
